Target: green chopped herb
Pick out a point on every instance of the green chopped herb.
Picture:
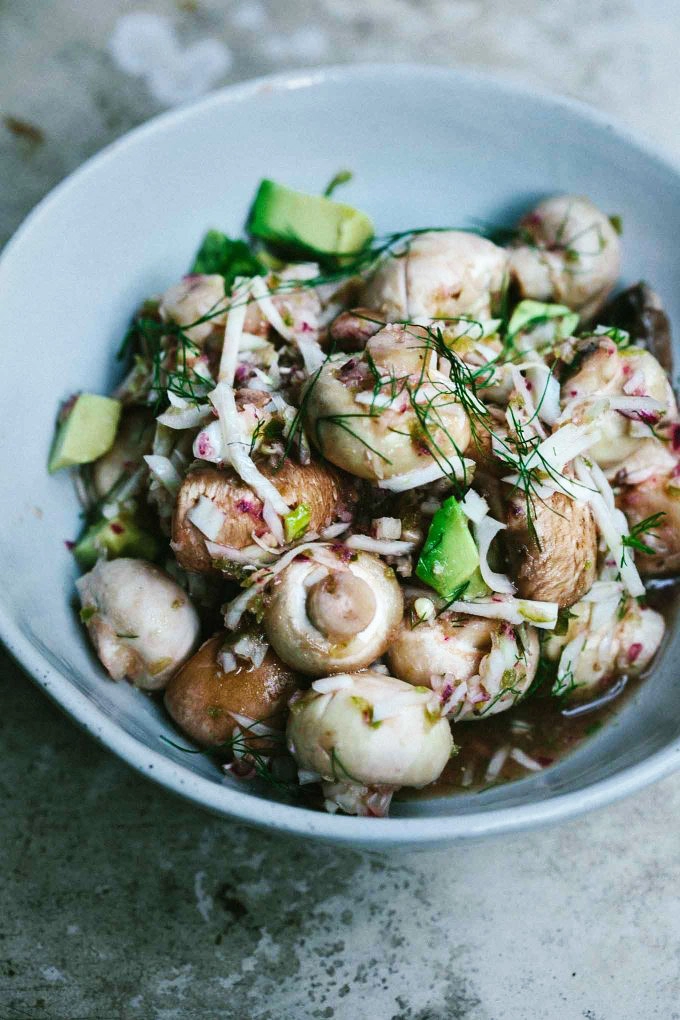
(296, 522)
(342, 177)
(617, 223)
(226, 257)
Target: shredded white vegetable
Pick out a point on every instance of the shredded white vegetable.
(611, 524)
(233, 330)
(312, 355)
(207, 517)
(383, 547)
(222, 398)
(462, 469)
(474, 506)
(513, 610)
(164, 470)
(485, 532)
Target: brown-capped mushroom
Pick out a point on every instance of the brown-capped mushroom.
(321, 489)
(552, 552)
(639, 311)
(333, 613)
(202, 696)
(568, 252)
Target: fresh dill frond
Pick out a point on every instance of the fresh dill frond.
(645, 527)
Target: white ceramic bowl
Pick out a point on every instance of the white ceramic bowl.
(428, 147)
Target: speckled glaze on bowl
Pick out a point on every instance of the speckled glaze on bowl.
(429, 147)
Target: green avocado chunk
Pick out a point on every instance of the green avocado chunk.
(85, 431)
(449, 557)
(529, 314)
(312, 223)
(120, 536)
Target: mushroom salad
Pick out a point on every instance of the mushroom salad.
(378, 513)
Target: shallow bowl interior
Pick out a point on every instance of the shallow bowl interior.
(428, 147)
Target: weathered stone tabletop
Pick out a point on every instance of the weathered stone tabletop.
(118, 901)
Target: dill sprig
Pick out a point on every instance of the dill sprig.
(645, 527)
(240, 747)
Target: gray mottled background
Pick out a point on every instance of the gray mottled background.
(117, 901)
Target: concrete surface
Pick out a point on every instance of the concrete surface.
(117, 901)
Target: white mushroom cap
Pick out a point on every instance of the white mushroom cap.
(569, 253)
(333, 614)
(601, 643)
(368, 729)
(443, 274)
(478, 667)
(194, 297)
(373, 430)
(610, 372)
(141, 622)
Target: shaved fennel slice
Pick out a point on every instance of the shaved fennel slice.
(222, 399)
(612, 525)
(512, 610)
(233, 331)
(474, 506)
(485, 532)
(462, 469)
(312, 355)
(164, 470)
(381, 546)
(188, 416)
(546, 388)
(522, 390)
(569, 657)
(207, 517)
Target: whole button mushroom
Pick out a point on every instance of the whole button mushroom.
(371, 730)
(442, 274)
(657, 497)
(601, 644)
(333, 615)
(631, 374)
(478, 667)
(385, 412)
(568, 252)
(210, 688)
(140, 621)
(552, 548)
(321, 489)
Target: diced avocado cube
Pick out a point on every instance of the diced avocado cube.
(449, 557)
(311, 223)
(529, 314)
(120, 536)
(86, 431)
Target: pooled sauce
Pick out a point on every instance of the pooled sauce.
(543, 728)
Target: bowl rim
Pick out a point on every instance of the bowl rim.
(240, 804)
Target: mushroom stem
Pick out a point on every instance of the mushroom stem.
(341, 604)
